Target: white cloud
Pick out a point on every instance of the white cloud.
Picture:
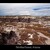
(24, 13)
(23, 9)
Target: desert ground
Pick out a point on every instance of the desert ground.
(24, 30)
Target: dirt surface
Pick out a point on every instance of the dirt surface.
(24, 33)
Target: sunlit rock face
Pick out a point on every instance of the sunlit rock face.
(9, 27)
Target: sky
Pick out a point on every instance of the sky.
(35, 9)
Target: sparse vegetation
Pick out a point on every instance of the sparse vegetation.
(14, 30)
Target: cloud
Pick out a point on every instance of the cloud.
(35, 9)
(24, 13)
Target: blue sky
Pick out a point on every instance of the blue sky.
(35, 9)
